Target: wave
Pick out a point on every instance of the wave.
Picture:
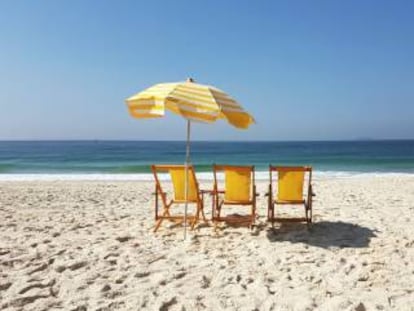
(120, 157)
(203, 176)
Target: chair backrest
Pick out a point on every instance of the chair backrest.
(177, 174)
(238, 182)
(290, 181)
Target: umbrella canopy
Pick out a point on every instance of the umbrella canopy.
(191, 100)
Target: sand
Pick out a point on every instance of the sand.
(71, 245)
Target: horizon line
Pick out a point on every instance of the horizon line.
(206, 140)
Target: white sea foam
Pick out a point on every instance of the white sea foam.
(260, 176)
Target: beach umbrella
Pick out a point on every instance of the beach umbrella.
(194, 102)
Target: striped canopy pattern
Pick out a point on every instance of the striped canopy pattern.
(191, 100)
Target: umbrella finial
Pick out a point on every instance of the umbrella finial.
(190, 80)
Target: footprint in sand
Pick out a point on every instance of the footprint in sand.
(121, 279)
(37, 285)
(179, 275)
(21, 302)
(39, 268)
(78, 265)
(141, 274)
(5, 286)
(165, 306)
(122, 239)
(111, 255)
(60, 269)
(80, 308)
(4, 252)
(205, 282)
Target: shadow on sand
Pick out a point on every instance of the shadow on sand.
(323, 234)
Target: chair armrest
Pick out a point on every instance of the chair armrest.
(205, 191)
(217, 191)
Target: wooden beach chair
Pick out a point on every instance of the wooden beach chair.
(290, 184)
(195, 196)
(239, 189)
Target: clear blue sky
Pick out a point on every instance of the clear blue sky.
(305, 69)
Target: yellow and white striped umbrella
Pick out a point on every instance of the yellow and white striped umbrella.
(191, 100)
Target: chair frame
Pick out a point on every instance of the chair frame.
(166, 204)
(218, 203)
(307, 202)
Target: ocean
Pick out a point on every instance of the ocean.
(131, 159)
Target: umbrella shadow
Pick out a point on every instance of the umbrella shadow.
(325, 234)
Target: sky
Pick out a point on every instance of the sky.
(306, 70)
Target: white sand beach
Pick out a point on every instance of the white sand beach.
(73, 245)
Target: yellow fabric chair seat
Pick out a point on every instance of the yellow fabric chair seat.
(290, 186)
(290, 191)
(239, 189)
(238, 185)
(177, 173)
(178, 180)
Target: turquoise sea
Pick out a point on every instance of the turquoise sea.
(120, 158)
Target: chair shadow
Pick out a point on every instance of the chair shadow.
(235, 221)
(325, 234)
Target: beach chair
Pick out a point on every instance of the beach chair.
(239, 189)
(195, 196)
(290, 184)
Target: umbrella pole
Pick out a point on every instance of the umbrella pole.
(186, 180)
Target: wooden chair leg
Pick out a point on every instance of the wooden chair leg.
(156, 203)
(158, 224)
(203, 215)
(213, 207)
(310, 210)
(194, 222)
(269, 212)
(197, 216)
(306, 212)
(253, 216)
(269, 207)
(216, 215)
(166, 213)
(219, 209)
